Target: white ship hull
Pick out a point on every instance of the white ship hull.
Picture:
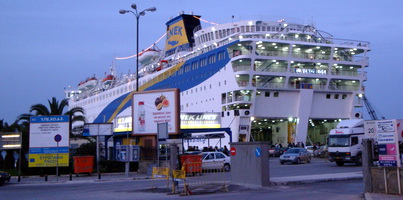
(268, 85)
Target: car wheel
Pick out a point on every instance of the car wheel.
(282, 163)
(339, 163)
(309, 160)
(227, 167)
(359, 160)
(297, 161)
(2, 182)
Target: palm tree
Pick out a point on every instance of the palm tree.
(55, 108)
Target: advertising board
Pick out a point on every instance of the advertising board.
(153, 107)
(44, 151)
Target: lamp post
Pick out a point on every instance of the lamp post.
(137, 15)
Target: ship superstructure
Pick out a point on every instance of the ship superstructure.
(275, 81)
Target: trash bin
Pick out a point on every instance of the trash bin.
(83, 164)
(193, 163)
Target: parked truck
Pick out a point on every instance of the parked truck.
(345, 141)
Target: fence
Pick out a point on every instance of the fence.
(198, 177)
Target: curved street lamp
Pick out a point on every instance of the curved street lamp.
(137, 15)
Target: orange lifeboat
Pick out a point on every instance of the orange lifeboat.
(108, 79)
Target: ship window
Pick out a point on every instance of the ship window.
(336, 96)
(267, 94)
(344, 96)
(258, 93)
(225, 82)
(210, 86)
(219, 84)
(275, 94)
(327, 96)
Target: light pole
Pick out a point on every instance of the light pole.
(137, 15)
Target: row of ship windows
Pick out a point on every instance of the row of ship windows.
(211, 59)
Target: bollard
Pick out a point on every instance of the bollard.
(71, 177)
(46, 177)
(99, 175)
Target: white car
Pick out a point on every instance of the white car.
(216, 160)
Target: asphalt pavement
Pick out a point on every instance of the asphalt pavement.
(111, 177)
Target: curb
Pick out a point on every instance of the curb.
(306, 181)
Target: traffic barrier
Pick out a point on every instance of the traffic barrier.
(211, 178)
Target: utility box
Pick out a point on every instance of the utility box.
(83, 164)
(250, 163)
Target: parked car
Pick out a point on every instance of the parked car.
(321, 152)
(4, 176)
(272, 148)
(279, 151)
(216, 160)
(295, 155)
(309, 149)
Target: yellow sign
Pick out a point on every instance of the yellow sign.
(176, 35)
(48, 160)
(160, 172)
(179, 174)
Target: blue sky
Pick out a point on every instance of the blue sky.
(48, 45)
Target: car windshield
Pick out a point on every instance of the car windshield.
(204, 155)
(292, 151)
(339, 141)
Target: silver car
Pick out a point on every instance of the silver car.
(295, 155)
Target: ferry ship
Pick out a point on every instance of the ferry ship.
(276, 80)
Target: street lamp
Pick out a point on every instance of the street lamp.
(137, 14)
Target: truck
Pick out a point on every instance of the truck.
(345, 141)
(344, 144)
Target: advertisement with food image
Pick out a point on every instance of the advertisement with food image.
(153, 107)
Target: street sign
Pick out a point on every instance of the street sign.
(232, 151)
(43, 151)
(258, 152)
(58, 138)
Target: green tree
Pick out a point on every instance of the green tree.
(55, 108)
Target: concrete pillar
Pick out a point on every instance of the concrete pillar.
(250, 163)
(173, 161)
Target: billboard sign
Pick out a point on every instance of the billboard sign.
(200, 120)
(153, 107)
(43, 148)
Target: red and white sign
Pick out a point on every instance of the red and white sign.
(232, 151)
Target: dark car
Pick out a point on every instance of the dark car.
(279, 151)
(4, 176)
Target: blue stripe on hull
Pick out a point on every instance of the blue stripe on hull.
(183, 81)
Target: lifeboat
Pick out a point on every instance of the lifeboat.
(89, 83)
(162, 65)
(108, 80)
(148, 56)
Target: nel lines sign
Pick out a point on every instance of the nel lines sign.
(43, 149)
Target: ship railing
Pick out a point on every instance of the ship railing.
(319, 86)
(271, 69)
(241, 68)
(344, 87)
(347, 42)
(272, 53)
(346, 73)
(269, 85)
(311, 56)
